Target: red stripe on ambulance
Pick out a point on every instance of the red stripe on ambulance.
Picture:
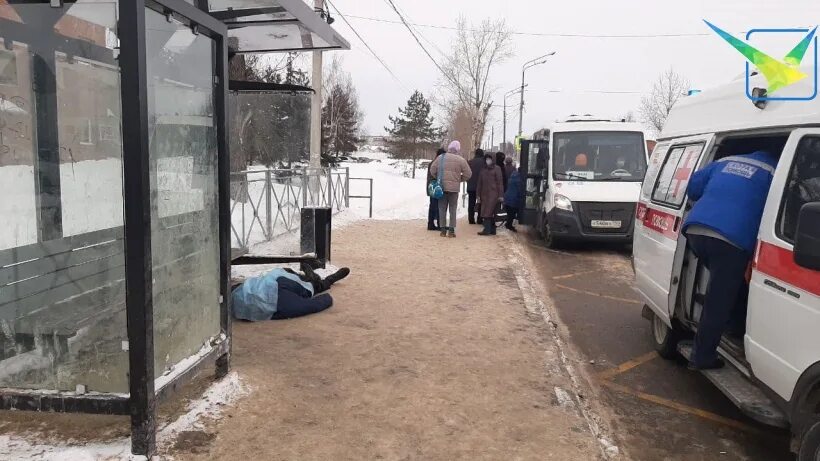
(777, 262)
(661, 222)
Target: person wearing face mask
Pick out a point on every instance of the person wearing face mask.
(490, 192)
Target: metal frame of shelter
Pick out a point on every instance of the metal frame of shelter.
(142, 400)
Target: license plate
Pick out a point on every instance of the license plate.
(606, 224)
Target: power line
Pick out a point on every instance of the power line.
(543, 34)
(410, 29)
(386, 67)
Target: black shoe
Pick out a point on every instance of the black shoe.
(511, 228)
(431, 228)
(716, 364)
(338, 275)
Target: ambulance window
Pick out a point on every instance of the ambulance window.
(670, 188)
(802, 186)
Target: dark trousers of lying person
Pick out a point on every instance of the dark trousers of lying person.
(297, 301)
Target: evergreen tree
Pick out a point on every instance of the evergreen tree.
(340, 121)
(413, 131)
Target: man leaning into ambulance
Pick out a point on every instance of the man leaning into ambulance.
(721, 229)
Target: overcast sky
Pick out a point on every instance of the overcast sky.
(581, 66)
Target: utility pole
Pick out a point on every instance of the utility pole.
(504, 136)
(316, 103)
(492, 137)
(532, 63)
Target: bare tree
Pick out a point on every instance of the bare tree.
(655, 106)
(628, 117)
(465, 83)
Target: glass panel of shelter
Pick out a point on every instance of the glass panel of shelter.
(62, 272)
(184, 207)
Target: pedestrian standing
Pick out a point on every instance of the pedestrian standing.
(475, 165)
(514, 199)
(509, 168)
(490, 191)
(432, 212)
(499, 160)
(451, 170)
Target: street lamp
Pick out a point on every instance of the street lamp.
(535, 62)
(509, 93)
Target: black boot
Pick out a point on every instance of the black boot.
(487, 230)
(321, 285)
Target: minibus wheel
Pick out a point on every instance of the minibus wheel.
(810, 445)
(665, 338)
(550, 240)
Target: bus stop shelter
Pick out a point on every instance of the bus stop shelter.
(115, 250)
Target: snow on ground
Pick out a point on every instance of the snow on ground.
(396, 196)
(208, 407)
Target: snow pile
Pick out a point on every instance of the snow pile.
(223, 393)
(210, 406)
(396, 195)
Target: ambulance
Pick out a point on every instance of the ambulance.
(772, 373)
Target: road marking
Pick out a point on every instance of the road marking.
(576, 274)
(626, 366)
(607, 376)
(585, 292)
(686, 409)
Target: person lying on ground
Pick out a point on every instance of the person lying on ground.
(284, 294)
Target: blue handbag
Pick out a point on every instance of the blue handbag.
(434, 189)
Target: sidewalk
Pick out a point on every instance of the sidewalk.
(430, 352)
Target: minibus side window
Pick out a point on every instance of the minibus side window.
(802, 186)
(670, 188)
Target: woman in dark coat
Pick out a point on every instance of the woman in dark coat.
(500, 157)
(490, 192)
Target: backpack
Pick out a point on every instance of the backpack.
(434, 189)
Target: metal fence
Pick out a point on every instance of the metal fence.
(266, 204)
(369, 196)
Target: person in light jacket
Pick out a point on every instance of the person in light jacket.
(490, 192)
(451, 174)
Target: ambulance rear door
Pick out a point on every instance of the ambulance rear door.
(658, 245)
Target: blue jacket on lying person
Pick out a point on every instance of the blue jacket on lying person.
(283, 294)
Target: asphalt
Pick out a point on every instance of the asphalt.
(662, 410)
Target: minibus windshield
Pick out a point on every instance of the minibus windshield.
(599, 156)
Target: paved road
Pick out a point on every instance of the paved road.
(664, 411)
